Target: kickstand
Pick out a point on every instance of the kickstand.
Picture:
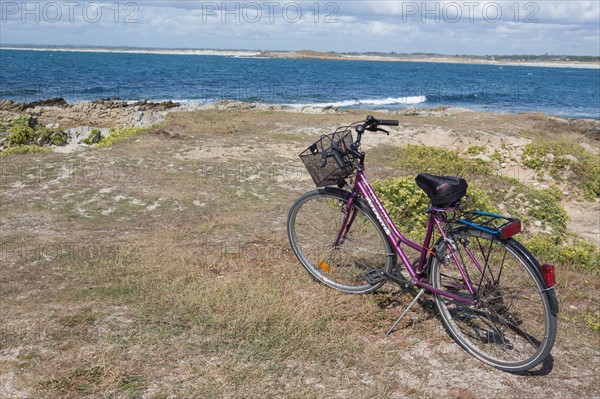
(405, 311)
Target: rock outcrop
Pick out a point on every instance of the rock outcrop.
(104, 113)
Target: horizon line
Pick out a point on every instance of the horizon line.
(28, 46)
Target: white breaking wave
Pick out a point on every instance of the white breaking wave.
(336, 104)
(376, 102)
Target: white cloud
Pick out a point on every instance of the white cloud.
(454, 27)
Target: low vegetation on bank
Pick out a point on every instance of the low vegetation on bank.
(540, 210)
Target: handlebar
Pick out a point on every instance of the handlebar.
(371, 124)
(384, 122)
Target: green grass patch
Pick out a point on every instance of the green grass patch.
(592, 320)
(476, 150)
(133, 384)
(118, 135)
(25, 149)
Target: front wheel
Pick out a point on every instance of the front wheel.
(314, 224)
(511, 326)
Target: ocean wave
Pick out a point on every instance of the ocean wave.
(372, 102)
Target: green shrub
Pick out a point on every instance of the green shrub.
(545, 207)
(572, 251)
(24, 130)
(406, 204)
(489, 192)
(25, 149)
(585, 172)
(21, 131)
(497, 156)
(47, 136)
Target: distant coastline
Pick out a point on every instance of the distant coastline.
(558, 61)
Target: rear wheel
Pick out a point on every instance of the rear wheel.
(314, 223)
(511, 325)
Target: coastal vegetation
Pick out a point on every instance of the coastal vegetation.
(24, 134)
(120, 134)
(565, 161)
(540, 210)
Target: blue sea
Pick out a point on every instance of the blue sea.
(27, 75)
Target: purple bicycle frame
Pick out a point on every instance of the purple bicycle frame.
(362, 187)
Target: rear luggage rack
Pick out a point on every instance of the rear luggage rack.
(491, 223)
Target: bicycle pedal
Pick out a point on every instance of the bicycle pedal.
(375, 276)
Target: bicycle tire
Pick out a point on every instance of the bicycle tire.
(513, 325)
(314, 222)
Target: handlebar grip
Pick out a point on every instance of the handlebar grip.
(389, 122)
(335, 155)
(338, 158)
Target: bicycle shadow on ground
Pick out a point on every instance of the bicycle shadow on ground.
(544, 369)
(398, 297)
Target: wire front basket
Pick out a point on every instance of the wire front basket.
(331, 173)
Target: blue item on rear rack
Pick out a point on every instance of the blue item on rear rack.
(491, 223)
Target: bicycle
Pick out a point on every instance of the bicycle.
(493, 297)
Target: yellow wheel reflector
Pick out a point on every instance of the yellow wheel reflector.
(325, 267)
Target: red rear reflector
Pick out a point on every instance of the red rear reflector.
(511, 229)
(549, 276)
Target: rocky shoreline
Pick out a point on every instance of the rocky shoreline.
(74, 125)
(82, 123)
(99, 113)
(68, 127)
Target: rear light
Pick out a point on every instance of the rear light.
(549, 276)
(511, 229)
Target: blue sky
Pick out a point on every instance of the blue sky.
(445, 27)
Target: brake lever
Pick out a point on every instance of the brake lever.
(382, 130)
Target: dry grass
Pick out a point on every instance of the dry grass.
(169, 275)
